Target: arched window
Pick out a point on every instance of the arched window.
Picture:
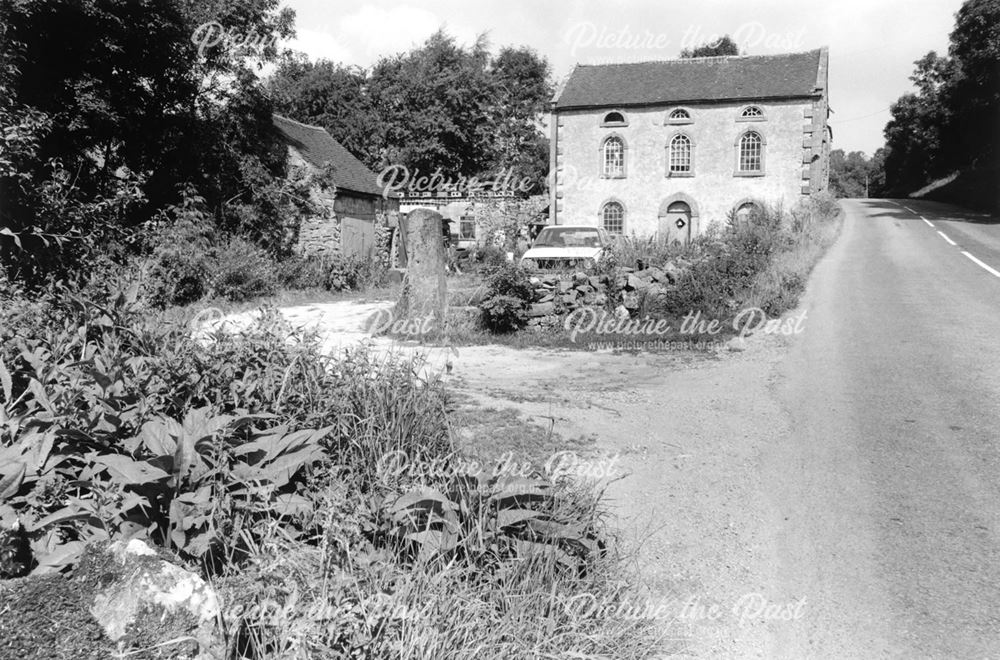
(614, 119)
(680, 161)
(751, 153)
(747, 212)
(613, 157)
(679, 116)
(752, 112)
(613, 218)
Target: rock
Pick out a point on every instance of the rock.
(579, 277)
(621, 313)
(600, 299)
(569, 298)
(547, 297)
(737, 344)
(565, 285)
(636, 283)
(425, 290)
(541, 309)
(585, 289)
(630, 300)
(671, 272)
(122, 597)
(595, 281)
(657, 274)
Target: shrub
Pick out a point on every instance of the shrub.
(239, 270)
(302, 272)
(643, 252)
(177, 271)
(333, 273)
(507, 297)
(488, 258)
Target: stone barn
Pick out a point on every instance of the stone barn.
(360, 215)
(666, 147)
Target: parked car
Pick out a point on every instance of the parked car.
(565, 247)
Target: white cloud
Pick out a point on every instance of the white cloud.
(379, 31)
(319, 44)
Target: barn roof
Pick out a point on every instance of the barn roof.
(318, 148)
(753, 77)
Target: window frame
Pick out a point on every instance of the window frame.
(671, 121)
(747, 201)
(738, 171)
(463, 222)
(670, 173)
(752, 106)
(614, 124)
(602, 154)
(601, 216)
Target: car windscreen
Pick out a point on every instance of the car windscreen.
(568, 237)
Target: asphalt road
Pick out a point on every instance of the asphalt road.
(883, 499)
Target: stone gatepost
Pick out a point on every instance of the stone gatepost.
(425, 294)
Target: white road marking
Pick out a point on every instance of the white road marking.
(987, 268)
(929, 223)
(950, 242)
(909, 209)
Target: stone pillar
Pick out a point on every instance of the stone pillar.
(425, 294)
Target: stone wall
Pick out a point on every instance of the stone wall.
(625, 292)
(793, 132)
(320, 235)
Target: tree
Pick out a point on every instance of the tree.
(950, 123)
(333, 96)
(434, 112)
(109, 128)
(723, 46)
(849, 173)
(973, 88)
(460, 113)
(522, 88)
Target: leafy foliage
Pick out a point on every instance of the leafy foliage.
(439, 108)
(242, 271)
(949, 124)
(103, 132)
(505, 302)
(722, 46)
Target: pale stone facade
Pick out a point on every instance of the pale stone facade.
(794, 156)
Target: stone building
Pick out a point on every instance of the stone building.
(667, 147)
(360, 216)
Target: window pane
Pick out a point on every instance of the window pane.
(680, 154)
(613, 217)
(614, 157)
(750, 153)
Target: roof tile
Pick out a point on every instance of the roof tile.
(690, 80)
(318, 148)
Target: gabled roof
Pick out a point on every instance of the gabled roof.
(318, 148)
(696, 79)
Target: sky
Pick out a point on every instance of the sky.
(873, 43)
